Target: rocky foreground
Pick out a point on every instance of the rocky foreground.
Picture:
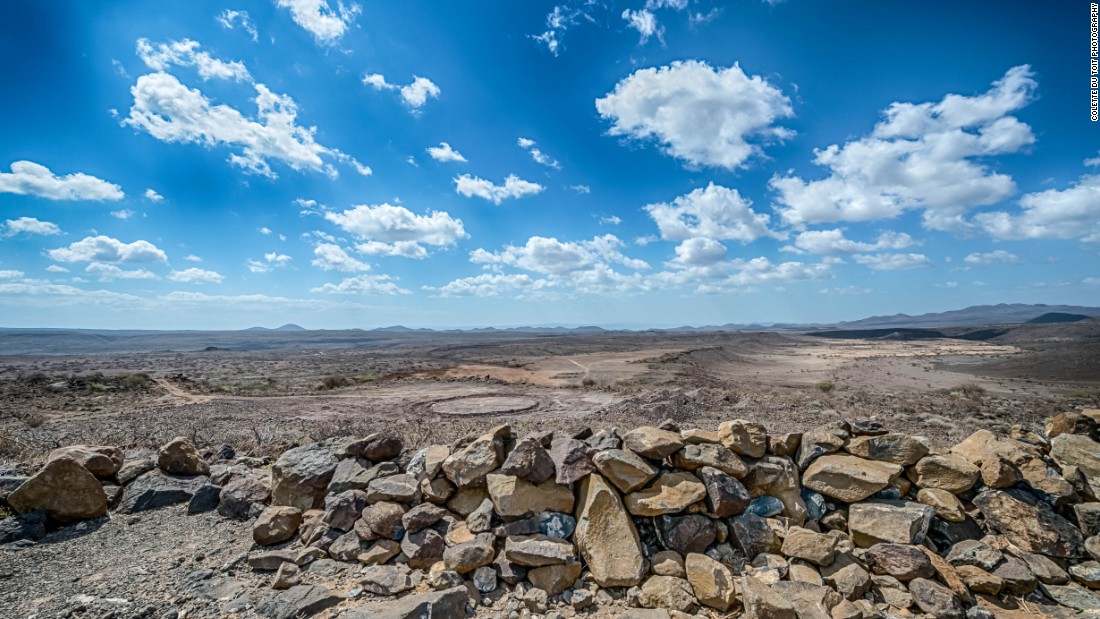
(841, 522)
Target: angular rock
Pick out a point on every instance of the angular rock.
(538, 550)
(745, 438)
(693, 457)
(101, 461)
(902, 561)
(605, 439)
(529, 462)
(132, 469)
(179, 457)
(470, 465)
(897, 522)
(270, 561)
(342, 510)
(288, 576)
(276, 524)
(1046, 570)
(896, 448)
(385, 579)
(423, 548)
(485, 579)
(510, 573)
(443, 604)
(807, 545)
(375, 447)
(667, 563)
(422, 516)
(467, 557)
(1087, 573)
(979, 580)
(762, 601)
(380, 521)
(428, 462)
(556, 524)
(514, 497)
(778, 477)
(627, 470)
(572, 460)
(352, 474)
(64, 490)
(346, 547)
(670, 493)
(1078, 450)
(976, 553)
(652, 442)
(726, 496)
(403, 488)
(686, 534)
(810, 601)
(1073, 596)
(753, 536)
(299, 601)
(850, 581)
(1017, 579)
(1070, 423)
(29, 526)
(242, 497)
(379, 552)
(946, 504)
(204, 500)
(818, 442)
(1088, 518)
(848, 478)
(669, 593)
(1030, 523)
(300, 477)
(784, 444)
(951, 473)
(466, 500)
(436, 491)
(712, 582)
(154, 490)
(606, 536)
(936, 599)
(553, 579)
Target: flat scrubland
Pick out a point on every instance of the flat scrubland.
(264, 392)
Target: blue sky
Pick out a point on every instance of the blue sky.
(223, 164)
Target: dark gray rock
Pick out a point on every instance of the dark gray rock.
(299, 601)
(726, 495)
(446, 604)
(28, 526)
(205, 499)
(155, 489)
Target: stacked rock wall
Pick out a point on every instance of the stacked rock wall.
(845, 520)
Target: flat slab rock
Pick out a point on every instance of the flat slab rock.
(446, 604)
(299, 601)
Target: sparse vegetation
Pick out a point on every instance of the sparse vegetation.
(825, 386)
(333, 381)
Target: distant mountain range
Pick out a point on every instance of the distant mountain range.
(290, 326)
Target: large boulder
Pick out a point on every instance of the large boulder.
(300, 477)
(403, 488)
(470, 465)
(423, 548)
(375, 447)
(357, 473)
(243, 497)
(529, 462)
(276, 524)
(606, 536)
(64, 490)
(712, 582)
(897, 522)
(670, 493)
(154, 490)
(954, 474)
(693, 457)
(1078, 450)
(849, 478)
(652, 442)
(626, 469)
(1029, 523)
(816, 548)
(514, 497)
(179, 457)
(101, 461)
(745, 438)
(896, 448)
(572, 460)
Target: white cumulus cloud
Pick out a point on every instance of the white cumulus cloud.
(331, 257)
(153, 196)
(513, 187)
(445, 153)
(713, 212)
(833, 242)
(230, 19)
(998, 256)
(702, 115)
(29, 178)
(893, 262)
(363, 284)
(415, 94)
(645, 22)
(272, 260)
(1070, 213)
(325, 23)
(104, 249)
(186, 53)
(537, 154)
(108, 272)
(924, 156)
(29, 226)
(196, 276)
(395, 230)
(172, 112)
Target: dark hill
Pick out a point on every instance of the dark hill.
(1050, 318)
